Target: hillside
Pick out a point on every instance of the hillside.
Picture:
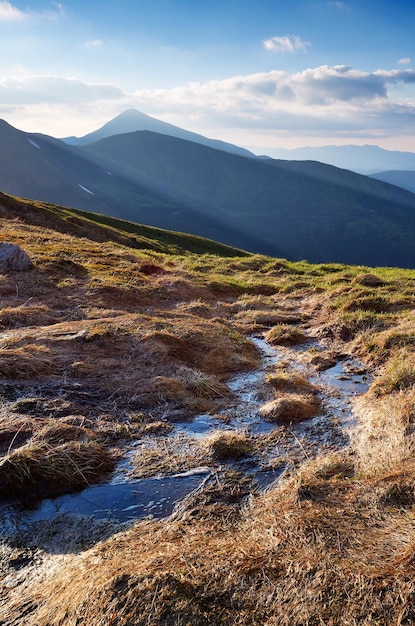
(292, 209)
(129, 358)
(298, 210)
(401, 178)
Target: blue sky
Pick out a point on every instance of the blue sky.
(258, 73)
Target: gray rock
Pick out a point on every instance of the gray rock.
(13, 258)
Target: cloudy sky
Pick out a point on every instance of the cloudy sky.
(258, 73)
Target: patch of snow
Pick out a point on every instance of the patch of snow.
(132, 507)
(36, 145)
(85, 189)
(194, 472)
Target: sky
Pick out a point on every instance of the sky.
(261, 74)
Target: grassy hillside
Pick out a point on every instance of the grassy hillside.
(113, 336)
(296, 210)
(104, 228)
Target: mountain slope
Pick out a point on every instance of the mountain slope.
(283, 208)
(401, 178)
(102, 228)
(132, 120)
(298, 210)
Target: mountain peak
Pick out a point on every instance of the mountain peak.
(132, 120)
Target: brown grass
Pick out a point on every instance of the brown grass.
(41, 469)
(283, 334)
(168, 455)
(291, 408)
(228, 444)
(332, 543)
(26, 362)
(26, 315)
(291, 382)
(314, 550)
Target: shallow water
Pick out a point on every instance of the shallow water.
(119, 501)
(123, 499)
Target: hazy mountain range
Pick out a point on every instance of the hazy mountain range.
(362, 159)
(283, 208)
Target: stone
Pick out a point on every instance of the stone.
(13, 258)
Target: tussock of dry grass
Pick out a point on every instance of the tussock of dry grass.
(228, 444)
(41, 469)
(168, 456)
(29, 315)
(369, 280)
(291, 408)
(57, 433)
(384, 437)
(283, 334)
(26, 362)
(292, 382)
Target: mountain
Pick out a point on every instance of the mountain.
(362, 159)
(297, 210)
(132, 120)
(401, 178)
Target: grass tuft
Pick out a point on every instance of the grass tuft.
(291, 408)
(40, 469)
(228, 444)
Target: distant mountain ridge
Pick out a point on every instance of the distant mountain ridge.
(401, 178)
(298, 210)
(132, 120)
(361, 159)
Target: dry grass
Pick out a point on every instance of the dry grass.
(283, 334)
(26, 362)
(291, 382)
(398, 374)
(39, 469)
(291, 408)
(332, 543)
(28, 314)
(227, 444)
(168, 455)
(317, 549)
(384, 438)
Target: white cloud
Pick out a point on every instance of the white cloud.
(404, 61)
(325, 101)
(322, 101)
(93, 44)
(9, 13)
(289, 43)
(35, 90)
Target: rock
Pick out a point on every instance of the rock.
(13, 258)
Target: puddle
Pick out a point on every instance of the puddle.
(123, 499)
(117, 501)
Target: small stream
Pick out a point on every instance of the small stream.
(123, 499)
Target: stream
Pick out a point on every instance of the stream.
(123, 499)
